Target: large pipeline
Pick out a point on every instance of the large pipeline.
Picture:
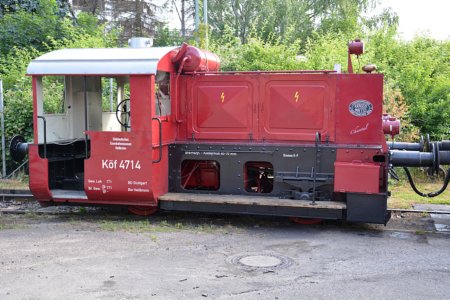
(407, 158)
(443, 146)
(428, 154)
(423, 154)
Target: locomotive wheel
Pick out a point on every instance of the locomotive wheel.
(142, 210)
(306, 221)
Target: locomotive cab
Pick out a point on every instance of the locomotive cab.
(67, 108)
(99, 117)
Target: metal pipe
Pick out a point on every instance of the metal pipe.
(176, 89)
(401, 158)
(111, 96)
(443, 146)
(86, 124)
(404, 146)
(197, 17)
(205, 19)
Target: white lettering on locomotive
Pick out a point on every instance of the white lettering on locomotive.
(124, 164)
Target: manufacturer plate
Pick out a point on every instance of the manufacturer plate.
(360, 108)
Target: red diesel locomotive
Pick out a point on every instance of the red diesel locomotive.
(184, 136)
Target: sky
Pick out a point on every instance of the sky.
(417, 16)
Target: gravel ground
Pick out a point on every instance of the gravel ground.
(104, 253)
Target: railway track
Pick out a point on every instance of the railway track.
(13, 193)
(25, 195)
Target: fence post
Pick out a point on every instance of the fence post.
(2, 116)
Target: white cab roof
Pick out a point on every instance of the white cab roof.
(107, 61)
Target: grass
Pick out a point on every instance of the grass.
(10, 224)
(403, 196)
(13, 184)
(146, 226)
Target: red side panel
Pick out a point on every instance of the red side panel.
(38, 174)
(119, 167)
(38, 166)
(221, 109)
(181, 106)
(160, 173)
(296, 107)
(277, 107)
(356, 177)
(359, 104)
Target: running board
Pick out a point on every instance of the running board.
(69, 194)
(254, 205)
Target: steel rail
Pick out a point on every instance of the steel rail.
(418, 211)
(30, 197)
(11, 195)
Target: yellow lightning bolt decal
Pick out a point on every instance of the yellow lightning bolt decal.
(296, 96)
(222, 96)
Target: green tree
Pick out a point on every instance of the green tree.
(135, 18)
(285, 19)
(28, 34)
(11, 6)
(33, 28)
(167, 37)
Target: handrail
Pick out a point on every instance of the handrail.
(45, 134)
(316, 151)
(160, 140)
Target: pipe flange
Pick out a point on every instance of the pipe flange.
(436, 161)
(16, 149)
(427, 144)
(421, 144)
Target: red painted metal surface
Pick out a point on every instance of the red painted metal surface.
(220, 108)
(277, 107)
(165, 63)
(391, 125)
(262, 108)
(142, 210)
(359, 101)
(306, 221)
(356, 47)
(293, 107)
(38, 168)
(120, 164)
(119, 167)
(192, 59)
(203, 174)
(356, 177)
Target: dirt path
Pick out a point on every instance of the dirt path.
(106, 254)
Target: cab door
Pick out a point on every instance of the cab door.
(119, 169)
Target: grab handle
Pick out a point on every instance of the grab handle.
(160, 140)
